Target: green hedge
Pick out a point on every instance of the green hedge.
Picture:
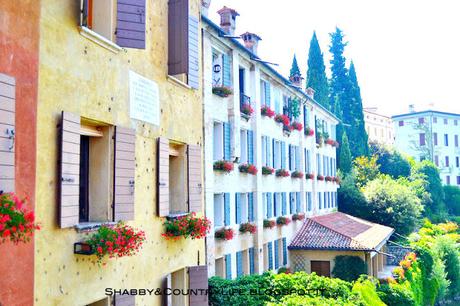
(349, 268)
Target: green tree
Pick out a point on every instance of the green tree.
(345, 155)
(351, 199)
(316, 73)
(452, 199)
(365, 169)
(349, 268)
(360, 137)
(428, 171)
(295, 67)
(391, 162)
(392, 204)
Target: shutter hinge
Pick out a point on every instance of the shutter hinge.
(10, 134)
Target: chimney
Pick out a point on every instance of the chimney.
(228, 20)
(411, 108)
(251, 41)
(310, 92)
(205, 7)
(296, 80)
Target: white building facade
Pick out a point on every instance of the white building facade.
(234, 138)
(431, 135)
(379, 127)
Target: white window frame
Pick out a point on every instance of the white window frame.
(218, 141)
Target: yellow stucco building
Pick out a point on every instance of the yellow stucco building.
(116, 78)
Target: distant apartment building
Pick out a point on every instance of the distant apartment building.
(431, 135)
(235, 81)
(379, 127)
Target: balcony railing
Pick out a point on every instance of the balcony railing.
(244, 100)
(245, 106)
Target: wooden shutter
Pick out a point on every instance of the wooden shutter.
(291, 202)
(198, 279)
(283, 155)
(228, 266)
(238, 208)
(124, 300)
(270, 256)
(297, 199)
(283, 203)
(290, 157)
(274, 153)
(251, 261)
(7, 132)
(167, 283)
(322, 268)
(284, 251)
(125, 168)
(250, 146)
(194, 178)
(193, 52)
(269, 205)
(177, 36)
(69, 170)
(239, 264)
(227, 139)
(297, 158)
(277, 255)
(163, 176)
(226, 209)
(227, 71)
(251, 207)
(267, 94)
(131, 23)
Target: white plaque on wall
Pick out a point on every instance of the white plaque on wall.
(144, 99)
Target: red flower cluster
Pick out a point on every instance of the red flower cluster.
(267, 111)
(116, 241)
(297, 126)
(269, 223)
(223, 165)
(266, 170)
(309, 176)
(280, 118)
(288, 128)
(283, 220)
(282, 173)
(332, 142)
(298, 217)
(224, 233)
(248, 168)
(328, 178)
(187, 226)
(309, 132)
(297, 174)
(17, 224)
(247, 109)
(248, 228)
(320, 177)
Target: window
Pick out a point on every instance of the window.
(421, 120)
(219, 210)
(265, 94)
(308, 198)
(277, 254)
(97, 169)
(294, 202)
(455, 122)
(321, 268)
(183, 37)
(244, 207)
(179, 281)
(286, 110)
(457, 161)
(241, 79)
(446, 140)
(435, 138)
(456, 141)
(279, 154)
(436, 160)
(122, 24)
(447, 161)
(446, 121)
(252, 260)
(239, 263)
(318, 164)
(448, 179)
(294, 157)
(178, 178)
(266, 151)
(269, 257)
(285, 259)
(221, 141)
(435, 119)
(277, 98)
(422, 139)
(401, 123)
(268, 198)
(320, 199)
(228, 267)
(277, 204)
(306, 116)
(246, 146)
(307, 161)
(220, 267)
(458, 180)
(221, 69)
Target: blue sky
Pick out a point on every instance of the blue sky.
(405, 52)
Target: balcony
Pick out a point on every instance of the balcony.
(246, 108)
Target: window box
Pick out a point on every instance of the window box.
(267, 111)
(248, 228)
(332, 142)
(328, 178)
(309, 176)
(223, 165)
(280, 118)
(298, 217)
(246, 110)
(188, 226)
(308, 131)
(266, 170)
(287, 129)
(16, 223)
(224, 234)
(282, 173)
(113, 241)
(283, 221)
(248, 168)
(297, 126)
(297, 174)
(222, 91)
(320, 177)
(269, 223)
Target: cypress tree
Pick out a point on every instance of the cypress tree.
(316, 73)
(345, 155)
(360, 138)
(295, 67)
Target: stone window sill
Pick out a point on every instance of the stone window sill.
(176, 215)
(91, 226)
(178, 82)
(99, 39)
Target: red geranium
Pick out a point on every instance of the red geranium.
(328, 178)
(280, 118)
(269, 223)
(297, 174)
(16, 222)
(224, 233)
(309, 132)
(248, 168)
(266, 170)
(223, 165)
(187, 226)
(320, 177)
(298, 217)
(283, 220)
(267, 111)
(248, 228)
(247, 109)
(297, 126)
(282, 173)
(309, 176)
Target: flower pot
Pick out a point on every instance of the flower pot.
(83, 248)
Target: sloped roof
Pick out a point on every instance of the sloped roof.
(339, 231)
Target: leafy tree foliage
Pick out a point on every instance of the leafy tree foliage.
(295, 67)
(365, 169)
(452, 199)
(345, 155)
(316, 73)
(391, 162)
(349, 268)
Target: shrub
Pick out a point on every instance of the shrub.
(367, 290)
(320, 177)
(284, 270)
(349, 268)
(449, 254)
(452, 196)
(188, 226)
(396, 295)
(298, 217)
(309, 176)
(247, 109)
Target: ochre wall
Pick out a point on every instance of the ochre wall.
(19, 36)
(79, 76)
(307, 256)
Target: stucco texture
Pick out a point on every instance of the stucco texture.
(19, 59)
(79, 76)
